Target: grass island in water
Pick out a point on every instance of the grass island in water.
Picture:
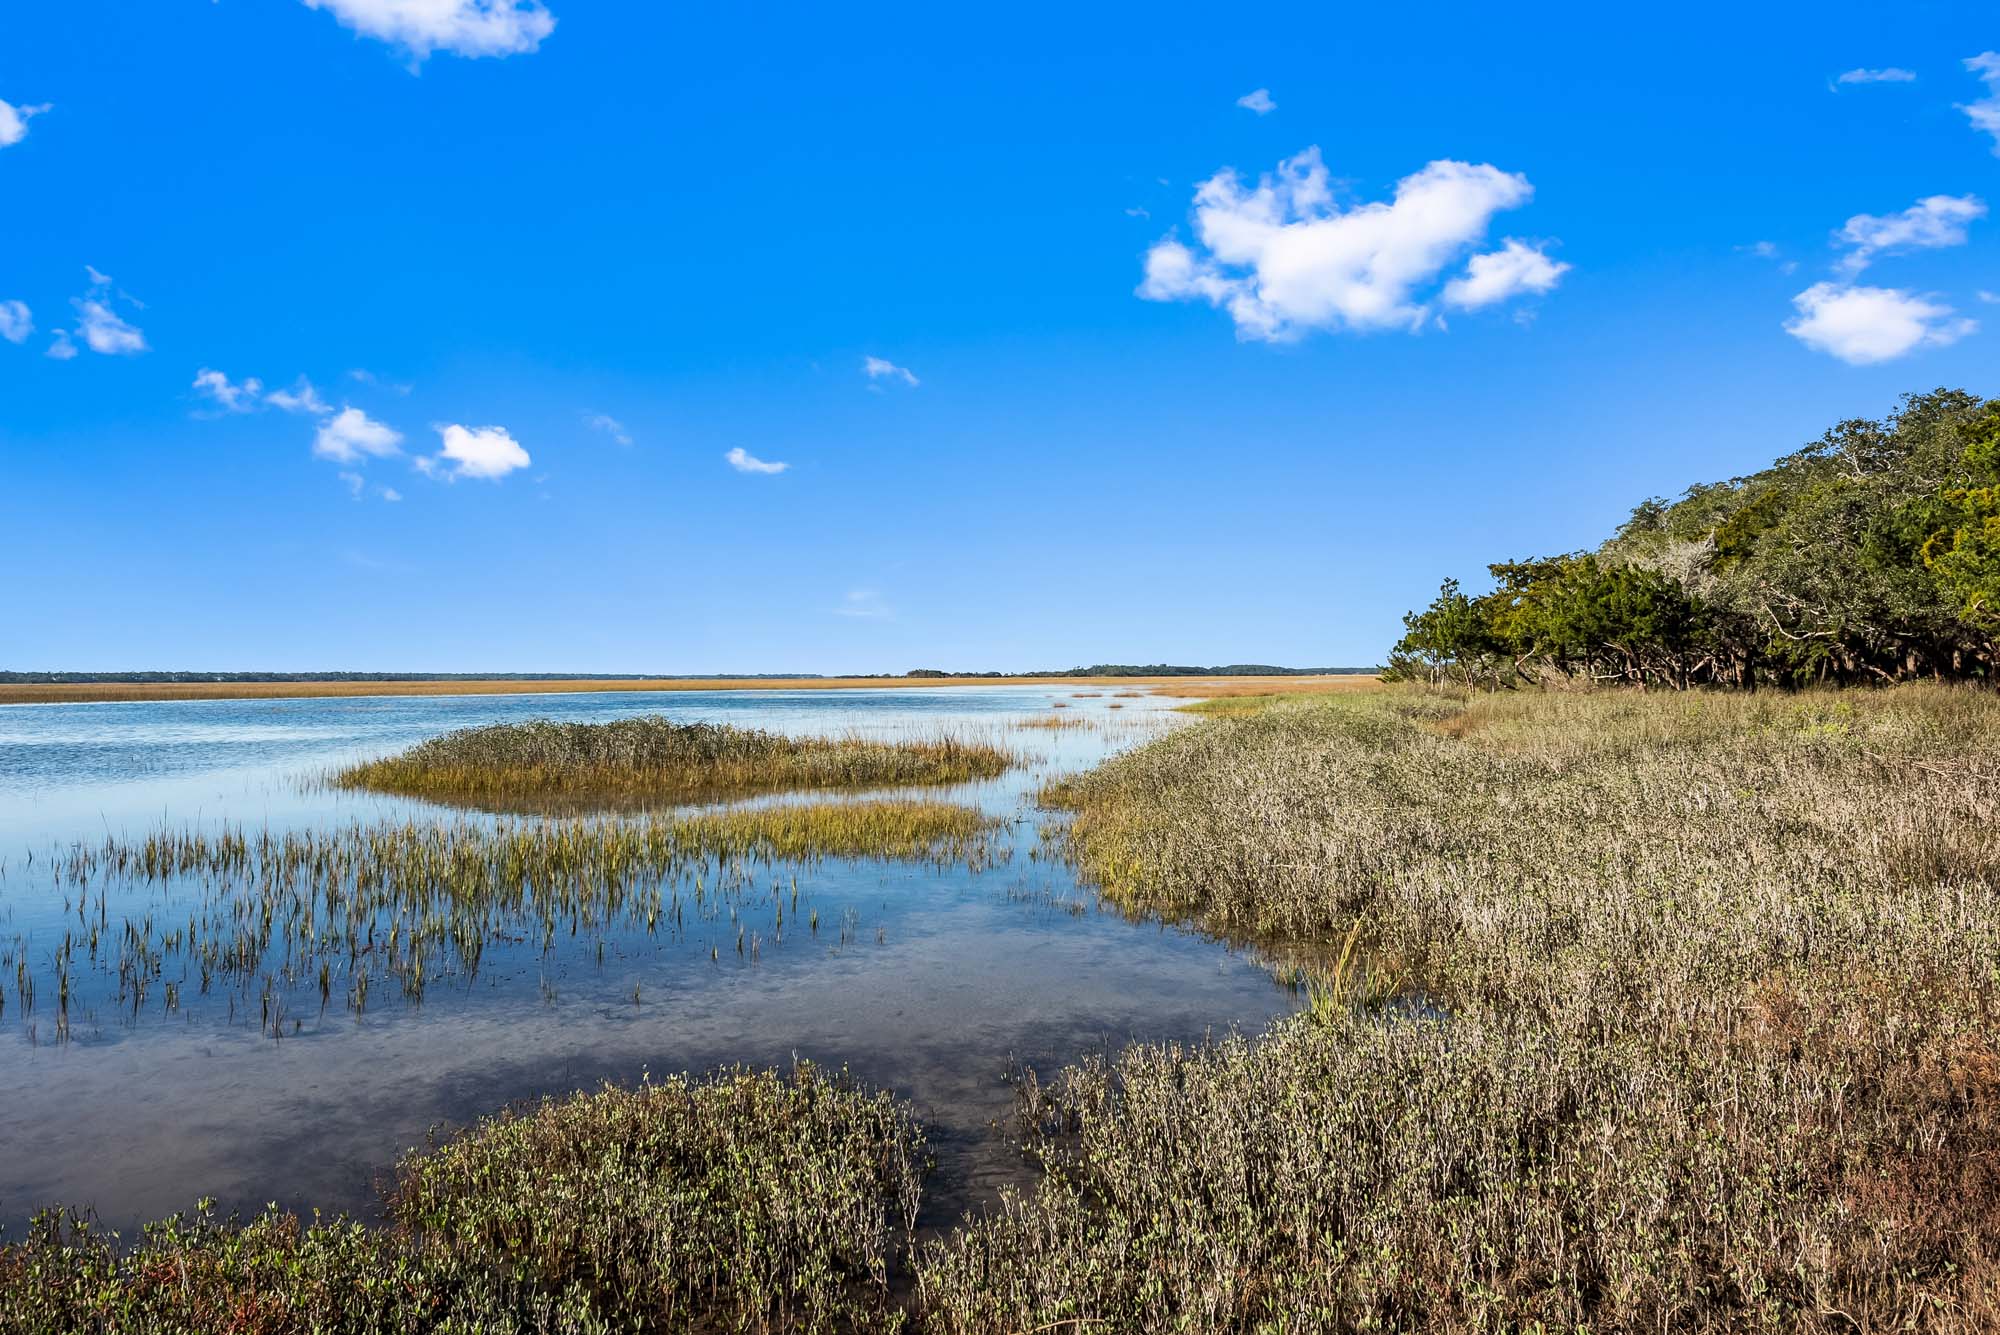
(652, 758)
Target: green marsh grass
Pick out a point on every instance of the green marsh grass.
(741, 1201)
(258, 915)
(654, 759)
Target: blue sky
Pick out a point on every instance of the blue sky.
(546, 270)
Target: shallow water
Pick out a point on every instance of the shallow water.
(931, 982)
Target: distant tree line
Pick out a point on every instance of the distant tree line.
(1871, 555)
(1102, 670)
(1159, 670)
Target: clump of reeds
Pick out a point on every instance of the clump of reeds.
(654, 759)
(741, 1201)
(1673, 1013)
(411, 904)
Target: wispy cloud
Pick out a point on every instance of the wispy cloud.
(1985, 113)
(60, 347)
(102, 329)
(1283, 259)
(300, 398)
(485, 452)
(351, 435)
(462, 27)
(609, 425)
(1259, 101)
(1928, 224)
(1888, 74)
(864, 604)
(229, 396)
(876, 368)
(1865, 325)
(743, 461)
(16, 321)
(14, 122)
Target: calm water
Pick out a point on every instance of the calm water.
(932, 983)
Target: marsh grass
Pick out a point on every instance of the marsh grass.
(401, 907)
(654, 759)
(1646, 1014)
(741, 1201)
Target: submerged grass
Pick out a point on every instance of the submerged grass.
(261, 915)
(1696, 1032)
(652, 758)
(742, 1201)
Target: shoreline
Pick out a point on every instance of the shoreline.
(125, 692)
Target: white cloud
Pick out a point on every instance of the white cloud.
(1508, 272)
(300, 398)
(1890, 74)
(1985, 113)
(14, 122)
(476, 451)
(60, 347)
(1990, 298)
(391, 494)
(1927, 224)
(609, 425)
(101, 328)
(231, 398)
(875, 368)
(1137, 212)
(1258, 101)
(16, 321)
(743, 461)
(105, 331)
(1865, 325)
(355, 484)
(1283, 259)
(462, 27)
(351, 434)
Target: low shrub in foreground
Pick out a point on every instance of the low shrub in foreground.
(655, 759)
(744, 1201)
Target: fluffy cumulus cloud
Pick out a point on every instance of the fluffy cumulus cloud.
(1928, 224)
(878, 368)
(743, 461)
(1865, 325)
(1283, 259)
(1985, 113)
(350, 435)
(16, 321)
(462, 27)
(14, 122)
(230, 396)
(475, 451)
(1259, 101)
(1514, 269)
(1891, 74)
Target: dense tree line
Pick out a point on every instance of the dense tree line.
(1870, 555)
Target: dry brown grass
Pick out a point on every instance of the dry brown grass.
(1217, 688)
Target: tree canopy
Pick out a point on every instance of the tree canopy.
(1872, 554)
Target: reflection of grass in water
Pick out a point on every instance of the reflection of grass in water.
(402, 904)
(740, 1201)
(655, 758)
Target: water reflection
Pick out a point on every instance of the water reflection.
(942, 980)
